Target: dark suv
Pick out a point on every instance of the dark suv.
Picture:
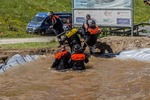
(39, 24)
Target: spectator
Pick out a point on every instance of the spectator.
(57, 25)
(85, 26)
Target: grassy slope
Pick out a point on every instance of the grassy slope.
(15, 14)
(141, 11)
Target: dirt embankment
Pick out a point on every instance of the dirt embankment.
(117, 44)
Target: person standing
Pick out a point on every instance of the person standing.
(61, 60)
(57, 25)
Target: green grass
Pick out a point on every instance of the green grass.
(141, 12)
(15, 14)
(29, 45)
(18, 35)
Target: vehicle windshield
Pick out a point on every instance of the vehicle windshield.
(37, 19)
(65, 20)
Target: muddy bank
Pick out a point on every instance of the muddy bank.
(112, 44)
(118, 44)
(7, 53)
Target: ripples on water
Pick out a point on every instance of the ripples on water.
(105, 79)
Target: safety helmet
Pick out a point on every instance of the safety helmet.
(76, 48)
(88, 16)
(50, 13)
(92, 23)
(145, 1)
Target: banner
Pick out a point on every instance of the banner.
(116, 13)
(102, 4)
(105, 17)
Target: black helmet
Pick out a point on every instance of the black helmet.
(76, 48)
(92, 23)
(145, 1)
(50, 13)
(88, 16)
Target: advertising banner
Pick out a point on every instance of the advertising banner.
(105, 17)
(102, 4)
(117, 13)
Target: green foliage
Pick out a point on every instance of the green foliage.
(15, 14)
(11, 34)
(141, 12)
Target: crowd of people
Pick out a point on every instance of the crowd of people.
(75, 58)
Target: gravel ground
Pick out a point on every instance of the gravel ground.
(23, 40)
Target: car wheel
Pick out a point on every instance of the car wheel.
(42, 32)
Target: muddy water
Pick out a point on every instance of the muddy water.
(105, 79)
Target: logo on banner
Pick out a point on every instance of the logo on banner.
(79, 19)
(123, 21)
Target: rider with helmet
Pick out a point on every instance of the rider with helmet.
(71, 36)
(78, 58)
(92, 34)
(61, 59)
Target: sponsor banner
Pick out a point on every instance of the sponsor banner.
(103, 4)
(80, 19)
(105, 17)
(123, 21)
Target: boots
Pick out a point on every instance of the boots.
(92, 49)
(60, 43)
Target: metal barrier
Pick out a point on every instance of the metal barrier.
(138, 29)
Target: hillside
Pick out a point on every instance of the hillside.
(15, 14)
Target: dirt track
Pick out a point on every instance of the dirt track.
(23, 40)
(105, 78)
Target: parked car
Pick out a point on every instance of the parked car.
(39, 23)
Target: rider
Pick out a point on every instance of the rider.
(92, 34)
(61, 59)
(72, 38)
(57, 25)
(78, 58)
